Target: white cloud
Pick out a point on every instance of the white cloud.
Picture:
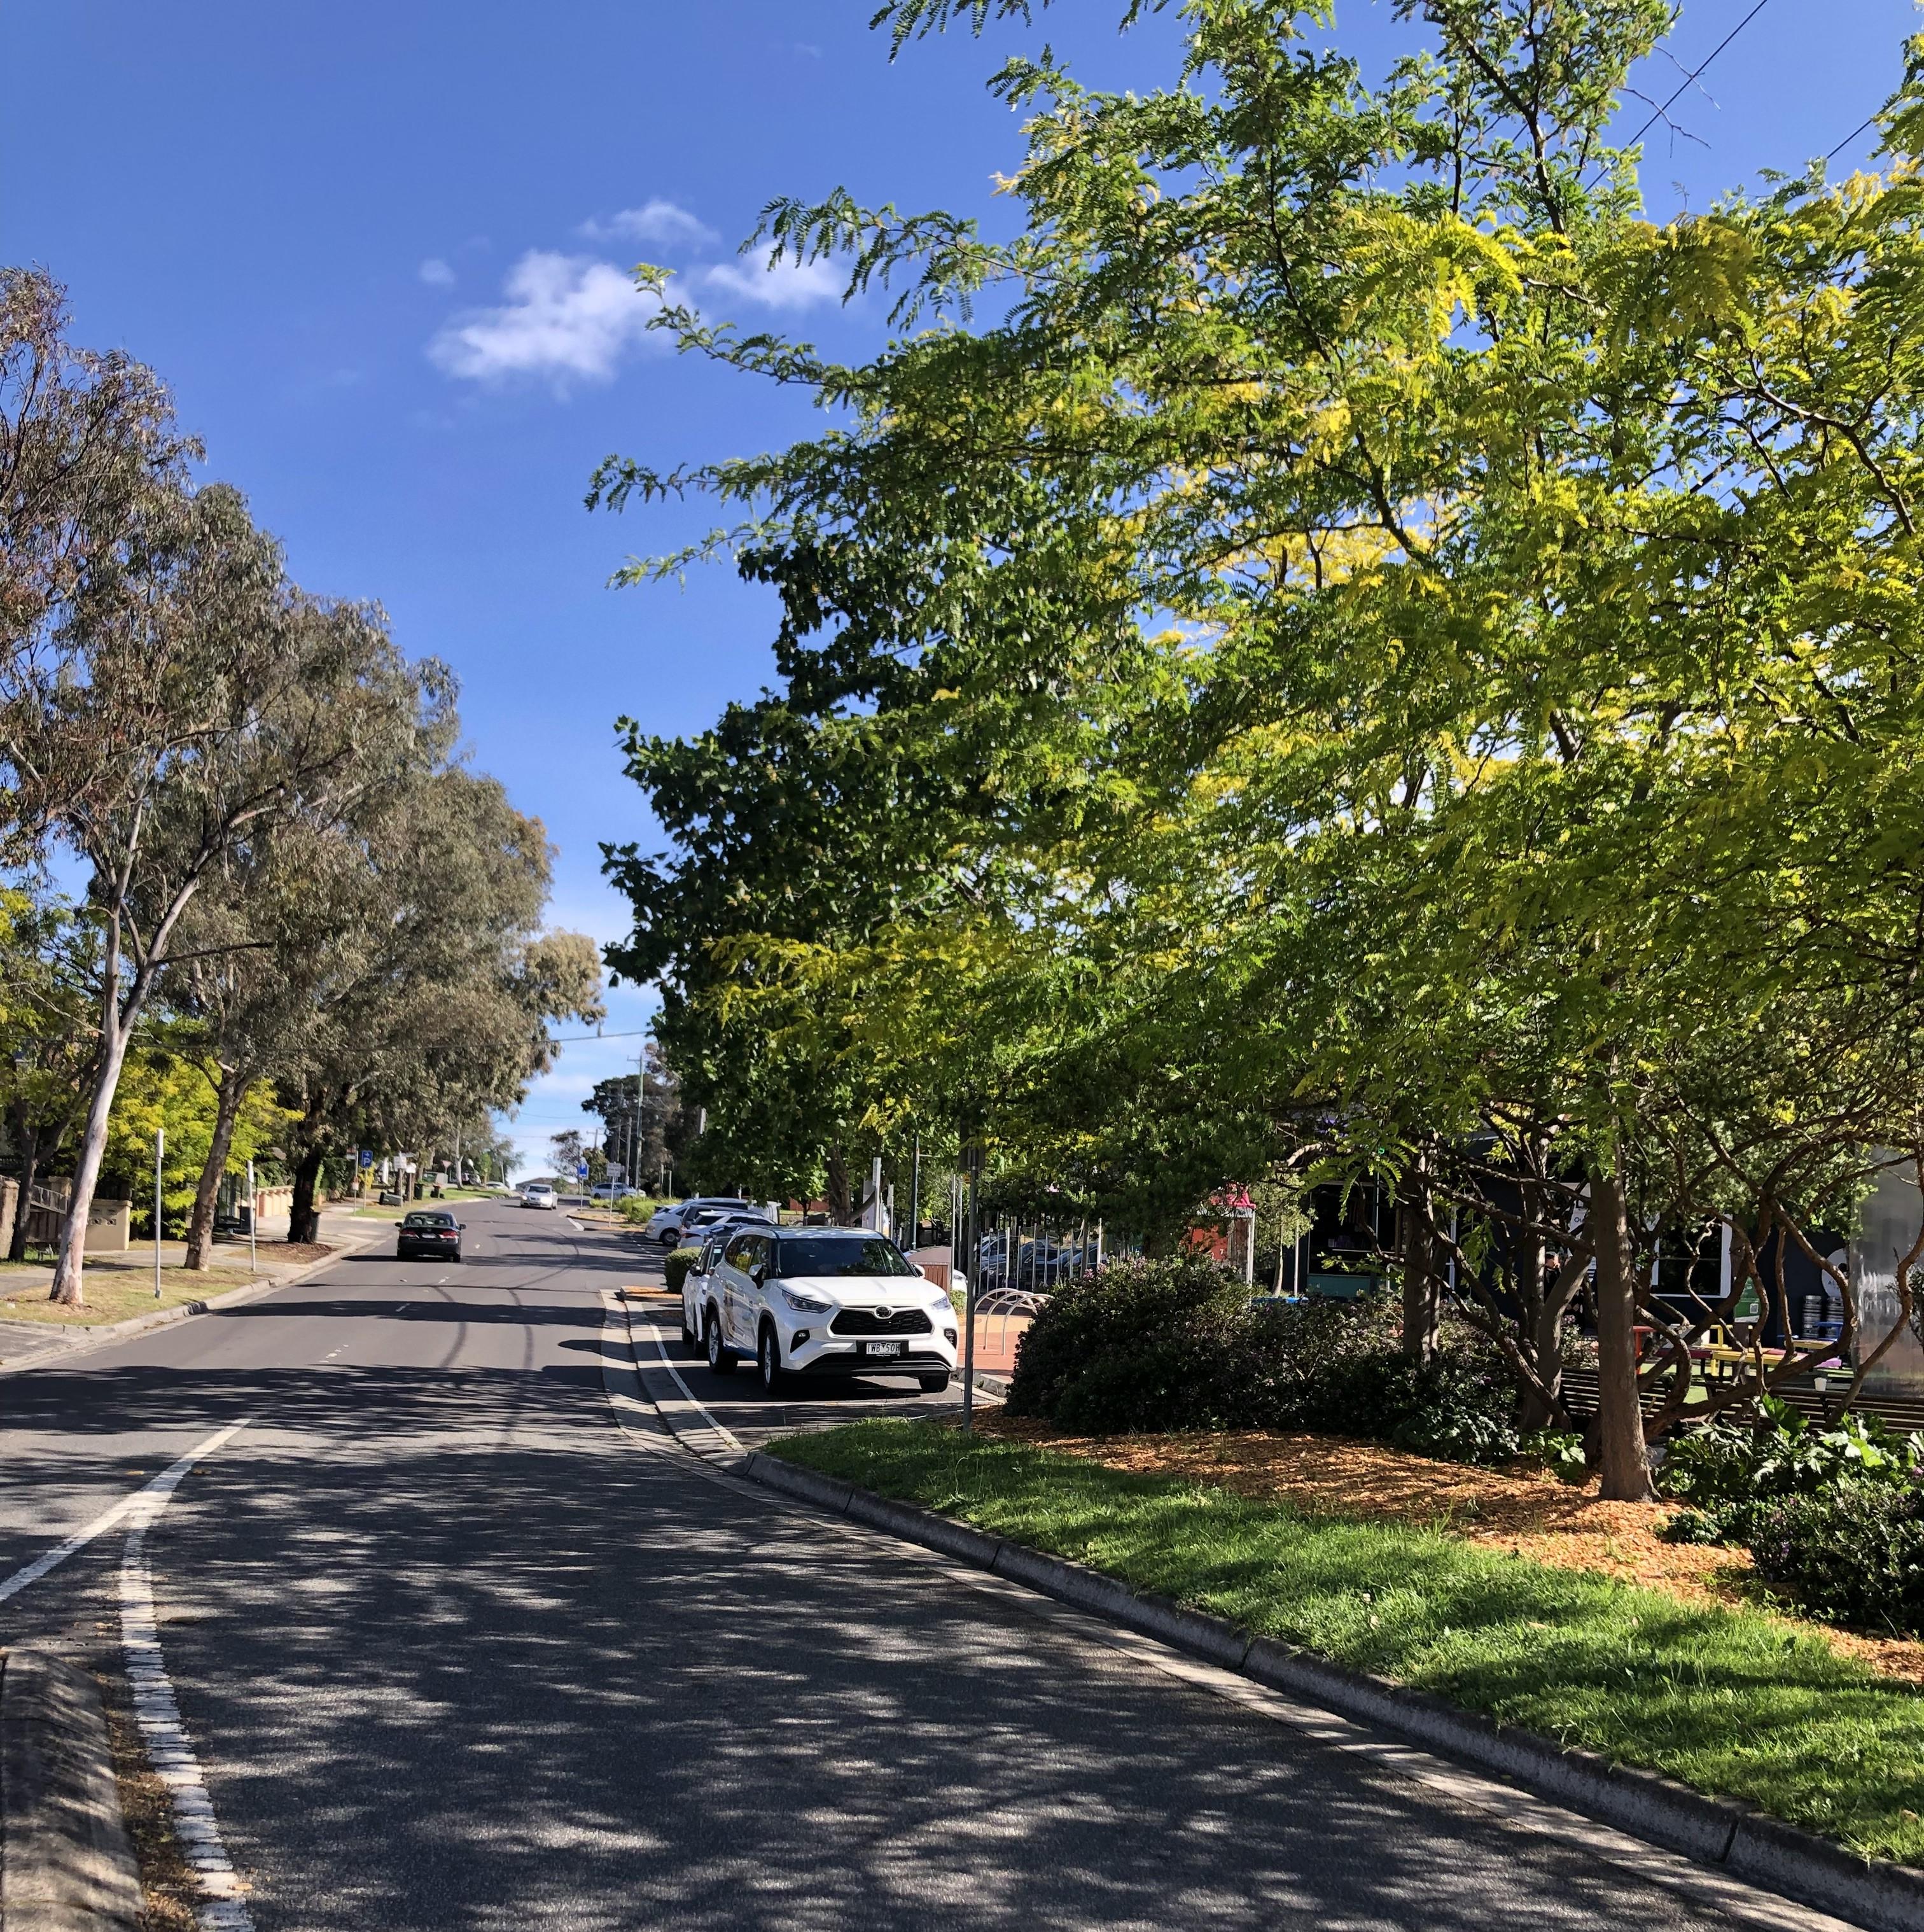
(436, 274)
(655, 221)
(565, 316)
(788, 284)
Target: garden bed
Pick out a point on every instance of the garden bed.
(1358, 1567)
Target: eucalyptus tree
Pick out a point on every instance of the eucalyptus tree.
(435, 1012)
(199, 704)
(49, 968)
(86, 440)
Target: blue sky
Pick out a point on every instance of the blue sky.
(378, 251)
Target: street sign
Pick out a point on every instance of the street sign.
(367, 1156)
(581, 1170)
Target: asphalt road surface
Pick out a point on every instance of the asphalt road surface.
(463, 1639)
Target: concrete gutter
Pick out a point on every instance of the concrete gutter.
(65, 1862)
(86, 1337)
(1746, 1842)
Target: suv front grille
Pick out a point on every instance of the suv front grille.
(866, 1321)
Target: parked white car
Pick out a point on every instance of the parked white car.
(539, 1194)
(713, 1237)
(817, 1301)
(668, 1224)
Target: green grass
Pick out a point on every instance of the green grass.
(1731, 1701)
(115, 1294)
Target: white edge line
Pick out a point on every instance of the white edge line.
(694, 1401)
(58, 1554)
(223, 1907)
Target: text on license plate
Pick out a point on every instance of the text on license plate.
(882, 1348)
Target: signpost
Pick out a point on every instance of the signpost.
(160, 1154)
(968, 1199)
(253, 1262)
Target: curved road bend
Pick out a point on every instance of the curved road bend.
(456, 1650)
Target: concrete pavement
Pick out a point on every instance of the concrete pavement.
(454, 1649)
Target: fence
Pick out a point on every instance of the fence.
(108, 1221)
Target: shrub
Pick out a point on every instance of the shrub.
(1140, 1345)
(675, 1268)
(1178, 1344)
(1854, 1556)
(1730, 1474)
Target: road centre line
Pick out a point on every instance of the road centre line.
(58, 1554)
(223, 1906)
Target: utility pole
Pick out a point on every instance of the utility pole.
(968, 1198)
(254, 1260)
(160, 1154)
(915, 1194)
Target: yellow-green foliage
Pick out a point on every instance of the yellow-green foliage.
(175, 1091)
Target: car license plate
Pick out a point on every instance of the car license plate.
(882, 1348)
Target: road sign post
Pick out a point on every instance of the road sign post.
(159, 1155)
(254, 1260)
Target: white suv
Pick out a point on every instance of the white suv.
(824, 1301)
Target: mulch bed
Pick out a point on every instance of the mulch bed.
(1521, 1512)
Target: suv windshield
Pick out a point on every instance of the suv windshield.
(835, 1251)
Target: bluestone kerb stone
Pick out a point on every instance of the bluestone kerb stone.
(65, 1862)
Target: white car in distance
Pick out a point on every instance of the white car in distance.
(823, 1301)
(539, 1194)
(671, 1224)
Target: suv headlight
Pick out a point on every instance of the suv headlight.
(805, 1304)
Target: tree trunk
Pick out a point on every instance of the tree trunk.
(1621, 1452)
(841, 1211)
(1422, 1303)
(68, 1287)
(304, 1218)
(17, 1238)
(207, 1194)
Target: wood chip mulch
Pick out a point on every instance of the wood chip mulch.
(1521, 1512)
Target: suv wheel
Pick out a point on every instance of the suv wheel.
(932, 1384)
(767, 1360)
(719, 1358)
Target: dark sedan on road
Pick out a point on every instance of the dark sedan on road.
(430, 1232)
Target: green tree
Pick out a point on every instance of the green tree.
(1380, 642)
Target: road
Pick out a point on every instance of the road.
(463, 1639)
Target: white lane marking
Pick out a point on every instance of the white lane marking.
(223, 1908)
(106, 1520)
(694, 1399)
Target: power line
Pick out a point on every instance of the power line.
(1691, 78)
(1851, 137)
